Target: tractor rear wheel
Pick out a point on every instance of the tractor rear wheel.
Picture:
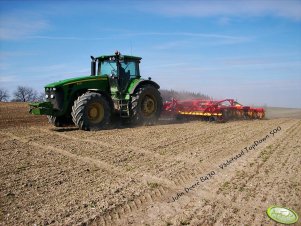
(59, 121)
(91, 111)
(146, 105)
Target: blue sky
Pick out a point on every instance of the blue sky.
(244, 49)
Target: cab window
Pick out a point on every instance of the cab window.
(107, 68)
(130, 68)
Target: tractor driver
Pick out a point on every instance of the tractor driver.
(123, 77)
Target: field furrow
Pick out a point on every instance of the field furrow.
(169, 174)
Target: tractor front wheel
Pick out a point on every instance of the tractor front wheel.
(91, 111)
(59, 121)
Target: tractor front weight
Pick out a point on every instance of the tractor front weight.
(41, 108)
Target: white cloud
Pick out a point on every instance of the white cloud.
(14, 27)
(192, 38)
(5, 79)
(68, 38)
(280, 8)
(224, 21)
(170, 45)
(188, 34)
(13, 54)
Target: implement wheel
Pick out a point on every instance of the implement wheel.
(226, 115)
(91, 111)
(146, 105)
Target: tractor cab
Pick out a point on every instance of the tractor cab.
(120, 69)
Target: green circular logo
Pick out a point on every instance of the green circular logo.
(282, 215)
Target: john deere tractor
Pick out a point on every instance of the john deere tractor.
(114, 88)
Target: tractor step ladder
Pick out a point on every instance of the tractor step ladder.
(124, 109)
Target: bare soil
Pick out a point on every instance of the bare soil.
(172, 174)
(276, 112)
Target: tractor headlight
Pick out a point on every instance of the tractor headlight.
(54, 89)
(52, 96)
(46, 96)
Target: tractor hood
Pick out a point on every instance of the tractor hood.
(73, 80)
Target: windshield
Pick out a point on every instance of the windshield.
(128, 68)
(108, 68)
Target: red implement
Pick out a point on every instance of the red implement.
(212, 110)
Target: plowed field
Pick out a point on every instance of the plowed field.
(195, 173)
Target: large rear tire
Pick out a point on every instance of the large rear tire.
(91, 111)
(146, 105)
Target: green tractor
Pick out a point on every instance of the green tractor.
(114, 89)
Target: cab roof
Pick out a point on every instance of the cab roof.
(125, 57)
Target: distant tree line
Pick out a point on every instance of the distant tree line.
(27, 94)
(21, 94)
(167, 95)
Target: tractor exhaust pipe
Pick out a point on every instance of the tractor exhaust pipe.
(93, 66)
